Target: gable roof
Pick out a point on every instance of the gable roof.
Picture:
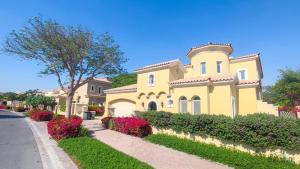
(158, 66)
(255, 56)
(123, 89)
(105, 80)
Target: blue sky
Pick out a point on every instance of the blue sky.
(151, 31)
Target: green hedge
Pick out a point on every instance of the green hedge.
(258, 130)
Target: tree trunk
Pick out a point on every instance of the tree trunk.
(69, 105)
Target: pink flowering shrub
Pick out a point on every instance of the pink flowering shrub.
(132, 125)
(60, 128)
(41, 115)
(2, 107)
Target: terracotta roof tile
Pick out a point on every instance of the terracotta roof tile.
(162, 64)
(201, 79)
(248, 82)
(127, 88)
(255, 55)
(103, 80)
(211, 43)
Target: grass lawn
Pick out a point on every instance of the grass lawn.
(90, 153)
(236, 159)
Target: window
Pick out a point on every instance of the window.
(183, 105)
(219, 67)
(92, 88)
(99, 90)
(203, 68)
(151, 79)
(243, 74)
(196, 107)
(170, 102)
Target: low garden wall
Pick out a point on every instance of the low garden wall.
(256, 134)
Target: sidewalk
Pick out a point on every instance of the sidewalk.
(157, 156)
(53, 157)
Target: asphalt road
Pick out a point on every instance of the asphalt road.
(18, 149)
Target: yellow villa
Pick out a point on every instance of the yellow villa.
(213, 83)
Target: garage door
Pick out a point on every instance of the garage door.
(122, 109)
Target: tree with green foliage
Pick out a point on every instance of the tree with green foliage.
(28, 93)
(73, 54)
(35, 101)
(124, 79)
(10, 96)
(286, 91)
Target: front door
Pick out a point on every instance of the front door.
(152, 106)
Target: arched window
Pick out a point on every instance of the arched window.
(183, 105)
(196, 105)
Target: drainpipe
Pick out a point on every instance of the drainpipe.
(209, 85)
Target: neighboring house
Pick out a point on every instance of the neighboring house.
(88, 94)
(213, 83)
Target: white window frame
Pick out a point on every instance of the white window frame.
(180, 105)
(239, 74)
(92, 89)
(199, 105)
(219, 63)
(201, 68)
(154, 79)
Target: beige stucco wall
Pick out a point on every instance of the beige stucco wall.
(247, 100)
(251, 67)
(210, 58)
(220, 100)
(189, 93)
(162, 78)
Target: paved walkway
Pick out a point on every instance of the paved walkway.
(18, 148)
(157, 156)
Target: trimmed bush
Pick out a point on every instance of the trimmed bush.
(132, 126)
(259, 130)
(42, 116)
(61, 128)
(128, 125)
(262, 130)
(158, 119)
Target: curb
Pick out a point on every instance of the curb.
(52, 156)
(49, 158)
